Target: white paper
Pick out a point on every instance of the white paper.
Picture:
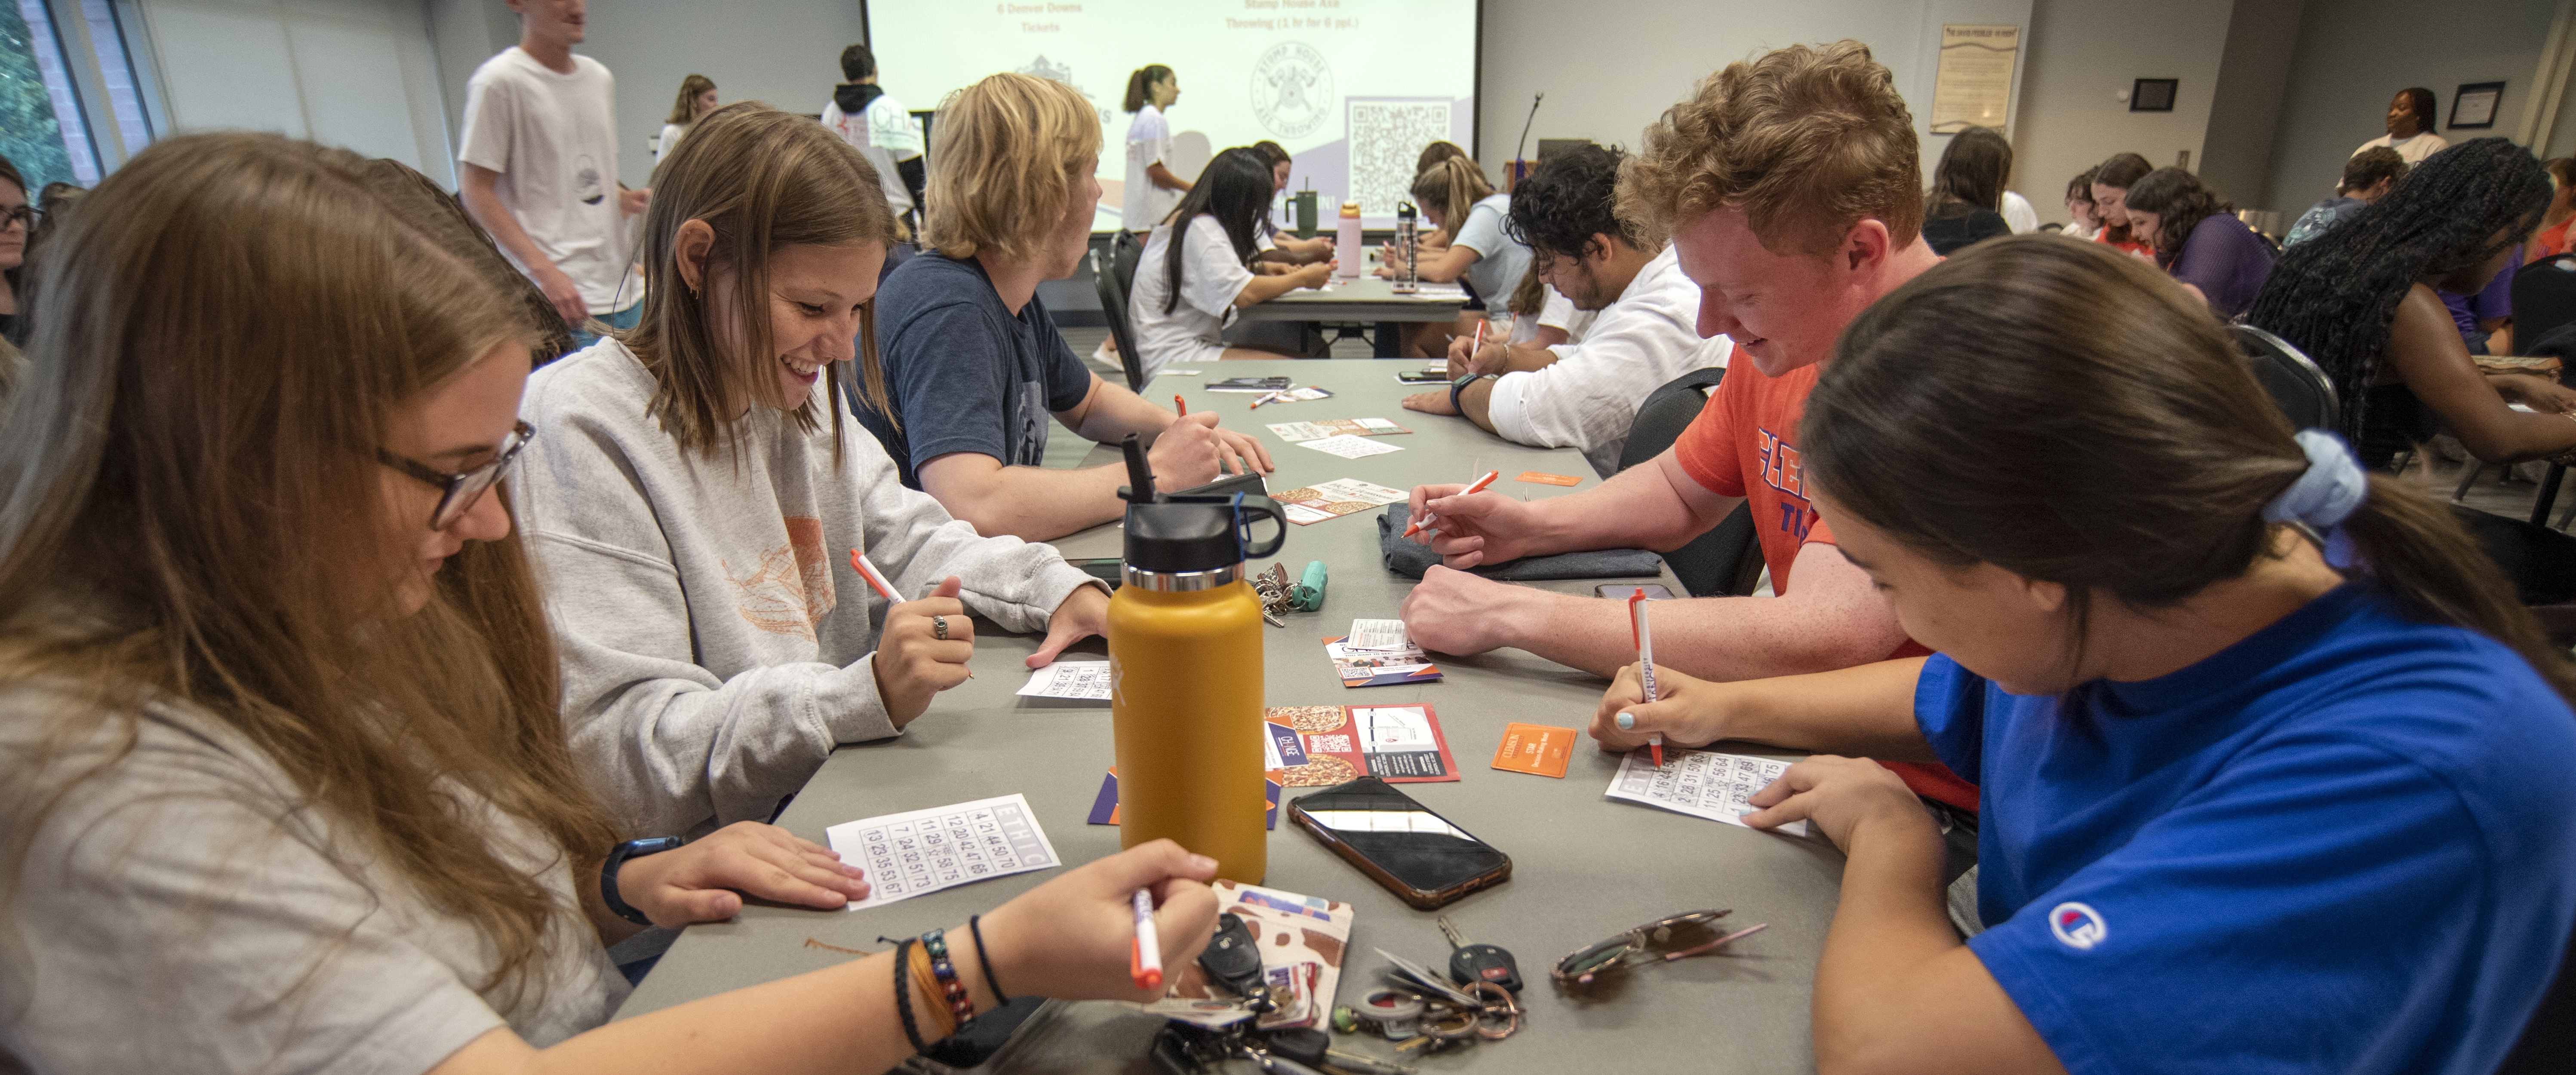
(1350, 447)
(1296, 432)
(1379, 425)
(1069, 679)
(1700, 783)
(1377, 636)
(920, 851)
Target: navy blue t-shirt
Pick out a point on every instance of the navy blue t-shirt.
(963, 373)
(2346, 843)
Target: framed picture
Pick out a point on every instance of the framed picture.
(2473, 108)
(2152, 94)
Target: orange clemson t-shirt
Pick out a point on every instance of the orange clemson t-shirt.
(1745, 443)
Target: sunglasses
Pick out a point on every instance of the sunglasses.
(1661, 941)
(459, 491)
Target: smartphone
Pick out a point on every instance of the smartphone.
(1418, 855)
(1423, 377)
(1248, 484)
(1654, 591)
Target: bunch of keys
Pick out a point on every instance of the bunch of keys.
(1278, 598)
(1182, 1049)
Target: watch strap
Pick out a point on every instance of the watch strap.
(617, 857)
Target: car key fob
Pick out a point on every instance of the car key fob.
(1233, 958)
(1473, 963)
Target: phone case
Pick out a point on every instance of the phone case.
(1419, 899)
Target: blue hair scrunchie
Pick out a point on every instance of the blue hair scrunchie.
(2327, 493)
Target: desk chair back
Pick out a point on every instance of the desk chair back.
(1113, 272)
(1726, 561)
(2544, 298)
(2295, 384)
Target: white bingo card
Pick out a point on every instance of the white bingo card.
(920, 851)
(1699, 783)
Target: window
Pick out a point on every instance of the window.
(42, 130)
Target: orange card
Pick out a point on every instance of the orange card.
(1536, 749)
(1535, 478)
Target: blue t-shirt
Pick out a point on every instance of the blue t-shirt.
(963, 373)
(2346, 843)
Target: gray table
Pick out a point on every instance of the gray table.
(1366, 299)
(1585, 867)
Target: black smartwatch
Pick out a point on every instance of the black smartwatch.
(617, 856)
(1460, 385)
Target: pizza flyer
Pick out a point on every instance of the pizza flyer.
(1302, 941)
(1321, 745)
(1300, 432)
(1308, 505)
(1380, 668)
(1104, 806)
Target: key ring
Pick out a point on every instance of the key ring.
(1465, 1027)
(939, 628)
(1507, 1009)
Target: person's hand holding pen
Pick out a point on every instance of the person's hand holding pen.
(1468, 355)
(1469, 529)
(1193, 451)
(1687, 712)
(1073, 937)
(922, 651)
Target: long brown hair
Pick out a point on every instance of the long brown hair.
(2122, 170)
(195, 473)
(1972, 172)
(1453, 186)
(685, 111)
(1952, 406)
(763, 180)
(2180, 201)
(1140, 86)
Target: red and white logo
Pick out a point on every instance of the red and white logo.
(2077, 926)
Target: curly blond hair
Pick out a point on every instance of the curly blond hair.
(1009, 150)
(1805, 141)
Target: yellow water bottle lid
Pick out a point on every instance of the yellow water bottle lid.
(1351, 208)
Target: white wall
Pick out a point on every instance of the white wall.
(2353, 55)
(785, 52)
(360, 74)
(1612, 71)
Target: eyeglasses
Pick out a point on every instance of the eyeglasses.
(1664, 940)
(459, 491)
(24, 215)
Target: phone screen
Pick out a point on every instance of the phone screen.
(1385, 826)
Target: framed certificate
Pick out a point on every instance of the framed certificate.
(2473, 108)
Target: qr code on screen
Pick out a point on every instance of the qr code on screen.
(1386, 138)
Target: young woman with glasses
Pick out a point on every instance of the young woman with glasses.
(281, 759)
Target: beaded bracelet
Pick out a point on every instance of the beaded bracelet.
(903, 994)
(959, 1004)
(938, 1018)
(984, 955)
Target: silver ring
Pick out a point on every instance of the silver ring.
(939, 628)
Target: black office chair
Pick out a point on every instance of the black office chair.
(2296, 385)
(2548, 1043)
(1726, 561)
(1112, 272)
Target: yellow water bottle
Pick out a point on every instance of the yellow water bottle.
(1185, 670)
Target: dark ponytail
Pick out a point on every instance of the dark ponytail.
(1955, 407)
(1140, 84)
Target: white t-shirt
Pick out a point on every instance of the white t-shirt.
(1588, 398)
(1149, 142)
(553, 138)
(2412, 150)
(883, 132)
(670, 140)
(1211, 276)
(189, 909)
(2018, 213)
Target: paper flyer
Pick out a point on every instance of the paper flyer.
(1297, 432)
(1381, 668)
(1311, 504)
(1104, 806)
(1303, 942)
(1350, 447)
(1322, 745)
(1085, 680)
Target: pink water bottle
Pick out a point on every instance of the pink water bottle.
(1346, 242)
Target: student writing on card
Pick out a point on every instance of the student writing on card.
(2274, 764)
(283, 784)
(693, 492)
(1788, 227)
(976, 374)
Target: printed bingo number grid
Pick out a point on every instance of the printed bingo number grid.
(921, 851)
(1699, 783)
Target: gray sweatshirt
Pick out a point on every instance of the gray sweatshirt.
(715, 638)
